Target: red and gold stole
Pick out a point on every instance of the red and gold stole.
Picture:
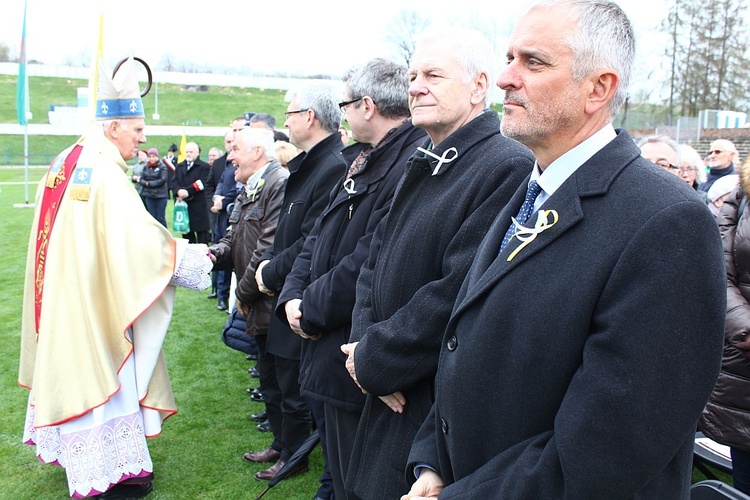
(58, 177)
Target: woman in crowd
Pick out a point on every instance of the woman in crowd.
(284, 152)
(153, 179)
(692, 169)
(726, 418)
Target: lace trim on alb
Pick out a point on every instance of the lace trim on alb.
(93, 459)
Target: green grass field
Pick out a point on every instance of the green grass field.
(199, 454)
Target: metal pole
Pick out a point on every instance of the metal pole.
(26, 159)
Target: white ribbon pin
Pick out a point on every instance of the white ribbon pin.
(349, 186)
(441, 159)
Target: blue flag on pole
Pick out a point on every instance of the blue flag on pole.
(22, 95)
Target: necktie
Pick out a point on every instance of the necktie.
(524, 212)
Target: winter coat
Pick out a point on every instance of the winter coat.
(194, 182)
(217, 169)
(726, 418)
(575, 364)
(418, 258)
(252, 228)
(228, 189)
(154, 181)
(312, 175)
(325, 273)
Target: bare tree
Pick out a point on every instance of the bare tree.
(167, 62)
(708, 55)
(5, 53)
(401, 31)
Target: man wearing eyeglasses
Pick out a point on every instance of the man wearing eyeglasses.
(720, 159)
(313, 118)
(661, 151)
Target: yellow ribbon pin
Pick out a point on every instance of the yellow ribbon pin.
(527, 234)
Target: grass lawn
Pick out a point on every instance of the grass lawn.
(199, 454)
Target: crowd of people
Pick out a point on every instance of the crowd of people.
(461, 305)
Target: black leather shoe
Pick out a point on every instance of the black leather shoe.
(251, 357)
(212, 296)
(222, 306)
(256, 395)
(264, 426)
(123, 491)
(259, 417)
(254, 373)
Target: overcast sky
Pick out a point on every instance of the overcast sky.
(294, 36)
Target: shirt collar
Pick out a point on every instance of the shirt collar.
(559, 170)
(252, 182)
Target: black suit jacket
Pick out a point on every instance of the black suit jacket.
(579, 368)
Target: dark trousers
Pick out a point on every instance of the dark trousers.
(741, 470)
(318, 413)
(269, 387)
(341, 428)
(157, 207)
(221, 280)
(197, 237)
(287, 409)
(223, 284)
(212, 219)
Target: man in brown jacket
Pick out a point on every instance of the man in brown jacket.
(252, 223)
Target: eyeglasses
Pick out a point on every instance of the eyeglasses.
(687, 170)
(666, 165)
(716, 152)
(344, 104)
(289, 113)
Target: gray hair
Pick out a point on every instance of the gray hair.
(726, 144)
(252, 137)
(269, 120)
(386, 82)
(603, 39)
(688, 154)
(473, 52)
(659, 139)
(323, 99)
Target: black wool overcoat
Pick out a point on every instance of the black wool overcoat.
(419, 256)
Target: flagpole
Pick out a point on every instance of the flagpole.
(23, 109)
(96, 61)
(26, 160)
